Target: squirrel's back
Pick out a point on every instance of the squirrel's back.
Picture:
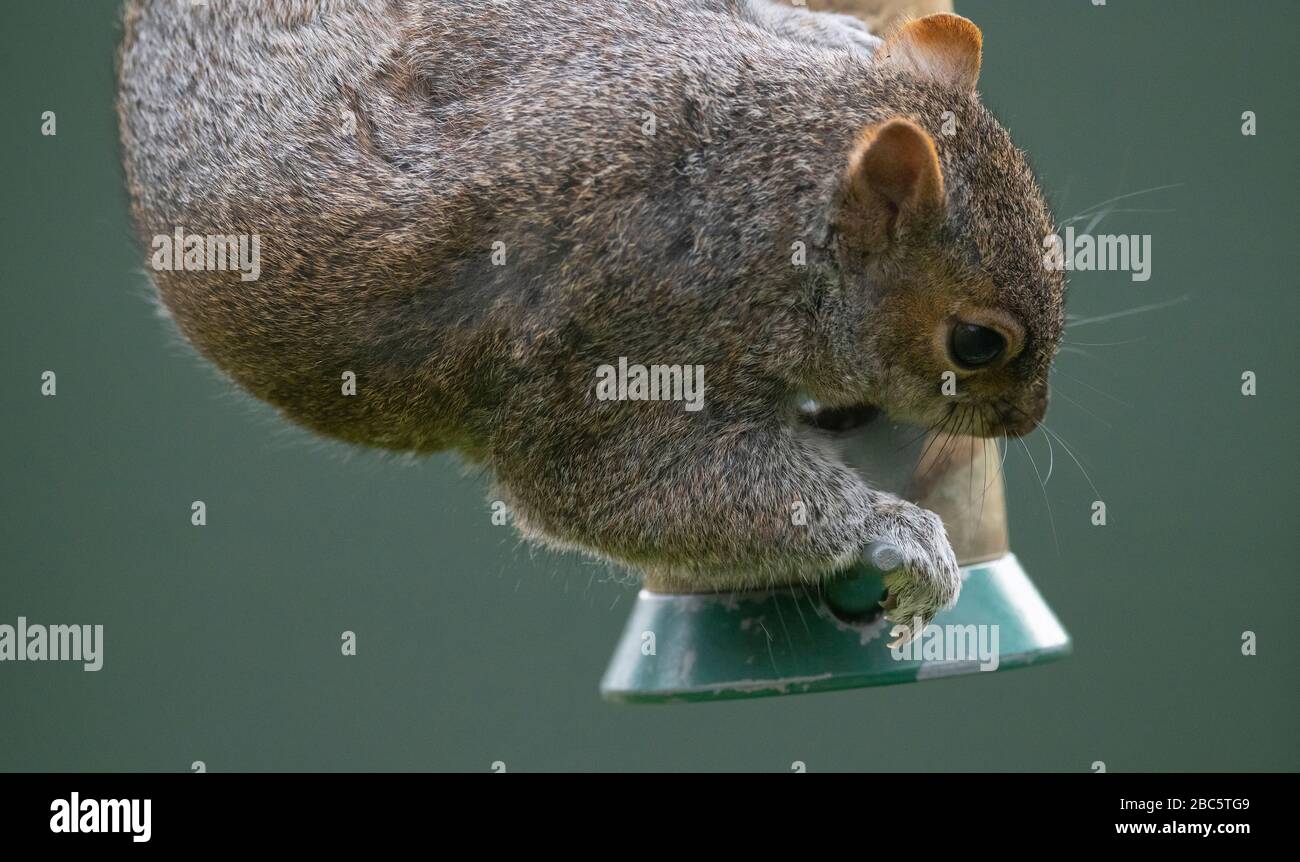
(453, 199)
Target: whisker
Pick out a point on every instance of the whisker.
(993, 475)
(1075, 218)
(1081, 407)
(1050, 518)
(1070, 452)
(938, 432)
(924, 432)
(952, 437)
(970, 471)
(1103, 343)
(1114, 315)
(1002, 460)
(917, 478)
(1119, 401)
(1126, 197)
(935, 433)
(1051, 459)
(949, 436)
(1094, 221)
(984, 459)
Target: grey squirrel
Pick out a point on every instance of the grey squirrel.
(474, 205)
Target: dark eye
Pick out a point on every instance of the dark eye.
(975, 346)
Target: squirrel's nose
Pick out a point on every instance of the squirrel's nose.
(1022, 420)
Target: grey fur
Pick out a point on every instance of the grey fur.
(521, 122)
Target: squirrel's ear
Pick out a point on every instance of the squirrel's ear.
(894, 182)
(944, 48)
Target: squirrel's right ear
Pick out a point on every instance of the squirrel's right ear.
(894, 183)
(945, 48)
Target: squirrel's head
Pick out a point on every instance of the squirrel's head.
(940, 228)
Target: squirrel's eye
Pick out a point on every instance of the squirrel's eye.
(975, 346)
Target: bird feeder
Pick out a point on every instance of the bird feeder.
(796, 638)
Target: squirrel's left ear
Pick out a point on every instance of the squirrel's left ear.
(894, 184)
(943, 48)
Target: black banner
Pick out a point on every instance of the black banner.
(216, 811)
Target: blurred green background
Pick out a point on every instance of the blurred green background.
(222, 643)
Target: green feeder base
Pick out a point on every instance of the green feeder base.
(718, 646)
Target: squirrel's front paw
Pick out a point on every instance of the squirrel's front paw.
(922, 578)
